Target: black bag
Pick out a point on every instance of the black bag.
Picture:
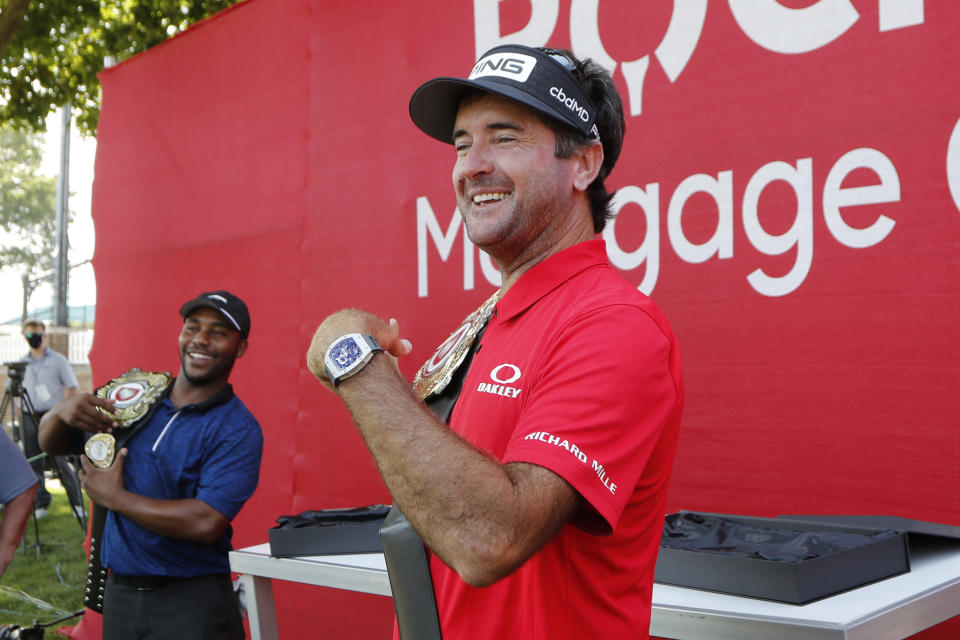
(328, 531)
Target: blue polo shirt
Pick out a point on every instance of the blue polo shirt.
(210, 451)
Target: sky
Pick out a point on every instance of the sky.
(82, 286)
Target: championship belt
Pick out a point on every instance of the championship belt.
(135, 394)
(436, 373)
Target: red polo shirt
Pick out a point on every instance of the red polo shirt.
(577, 372)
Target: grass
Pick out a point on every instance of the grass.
(46, 583)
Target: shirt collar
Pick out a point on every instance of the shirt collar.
(221, 397)
(29, 357)
(548, 274)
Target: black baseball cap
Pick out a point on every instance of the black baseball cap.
(230, 306)
(542, 79)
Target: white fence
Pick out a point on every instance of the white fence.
(79, 348)
(14, 347)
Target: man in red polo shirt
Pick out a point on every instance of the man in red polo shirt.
(541, 502)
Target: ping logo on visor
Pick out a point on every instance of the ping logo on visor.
(545, 80)
(507, 64)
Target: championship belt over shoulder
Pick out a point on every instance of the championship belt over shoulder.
(135, 393)
(437, 372)
(438, 383)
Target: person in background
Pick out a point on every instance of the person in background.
(175, 486)
(18, 485)
(47, 379)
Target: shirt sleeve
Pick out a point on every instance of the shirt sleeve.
(16, 476)
(231, 468)
(602, 396)
(67, 377)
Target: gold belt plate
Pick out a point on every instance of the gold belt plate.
(133, 393)
(436, 373)
(101, 448)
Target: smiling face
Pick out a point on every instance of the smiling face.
(516, 197)
(209, 345)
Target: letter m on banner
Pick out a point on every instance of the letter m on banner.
(427, 225)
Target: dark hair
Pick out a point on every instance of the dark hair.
(597, 83)
(34, 322)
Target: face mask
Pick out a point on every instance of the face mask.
(34, 339)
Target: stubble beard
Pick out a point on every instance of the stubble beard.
(210, 377)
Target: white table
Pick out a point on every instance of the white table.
(366, 572)
(891, 609)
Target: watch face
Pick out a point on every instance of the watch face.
(347, 355)
(346, 352)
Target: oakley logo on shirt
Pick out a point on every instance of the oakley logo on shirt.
(503, 376)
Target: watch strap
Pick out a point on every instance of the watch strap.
(411, 585)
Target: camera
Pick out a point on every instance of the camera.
(16, 632)
(15, 370)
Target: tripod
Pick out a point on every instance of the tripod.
(63, 467)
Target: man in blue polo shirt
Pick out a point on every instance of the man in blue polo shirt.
(175, 485)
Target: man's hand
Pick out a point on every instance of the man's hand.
(387, 334)
(103, 485)
(81, 412)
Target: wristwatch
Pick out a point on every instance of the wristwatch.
(349, 354)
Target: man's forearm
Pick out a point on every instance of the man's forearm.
(186, 519)
(78, 411)
(14, 521)
(481, 518)
(54, 436)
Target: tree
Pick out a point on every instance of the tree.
(28, 204)
(52, 50)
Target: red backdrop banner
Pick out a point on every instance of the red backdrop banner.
(789, 194)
